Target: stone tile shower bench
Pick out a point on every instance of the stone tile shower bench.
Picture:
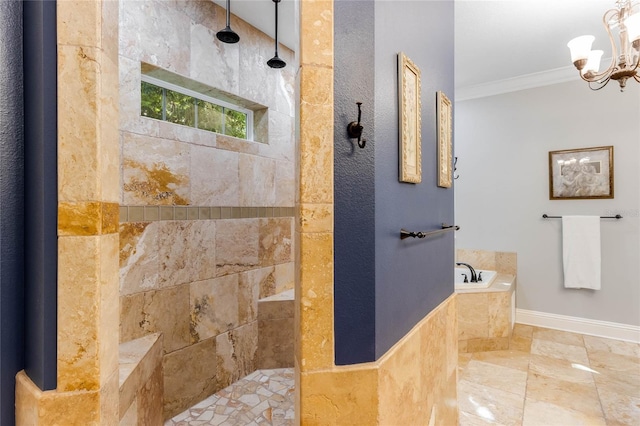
(275, 331)
(141, 381)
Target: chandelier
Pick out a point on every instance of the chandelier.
(625, 55)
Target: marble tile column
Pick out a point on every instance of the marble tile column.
(88, 194)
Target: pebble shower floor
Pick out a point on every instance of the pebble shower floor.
(264, 397)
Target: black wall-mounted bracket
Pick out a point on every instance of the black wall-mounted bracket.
(354, 129)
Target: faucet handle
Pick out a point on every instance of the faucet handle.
(466, 280)
(480, 276)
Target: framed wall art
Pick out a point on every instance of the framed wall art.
(444, 129)
(409, 118)
(581, 173)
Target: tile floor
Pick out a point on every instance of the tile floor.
(264, 397)
(551, 378)
(546, 378)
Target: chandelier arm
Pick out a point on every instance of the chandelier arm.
(599, 82)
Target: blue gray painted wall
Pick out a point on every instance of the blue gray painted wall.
(41, 191)
(354, 186)
(11, 207)
(382, 282)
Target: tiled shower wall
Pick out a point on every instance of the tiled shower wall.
(206, 221)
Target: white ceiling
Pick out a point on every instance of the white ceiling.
(494, 39)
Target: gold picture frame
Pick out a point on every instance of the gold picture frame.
(444, 114)
(584, 173)
(410, 119)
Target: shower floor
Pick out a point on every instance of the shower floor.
(264, 397)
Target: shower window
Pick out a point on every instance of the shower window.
(168, 102)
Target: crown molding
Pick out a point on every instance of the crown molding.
(514, 84)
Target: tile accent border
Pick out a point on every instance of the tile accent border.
(610, 330)
(155, 213)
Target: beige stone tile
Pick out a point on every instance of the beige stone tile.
(144, 33)
(317, 46)
(221, 188)
(214, 307)
(154, 171)
(507, 263)
(495, 376)
(316, 217)
(491, 404)
(581, 397)
(479, 259)
(236, 353)
(473, 316)
(237, 246)
(248, 296)
(499, 311)
(559, 369)
(207, 53)
(468, 419)
(139, 261)
(275, 307)
(462, 346)
(78, 168)
(619, 409)
(160, 311)
(187, 251)
(275, 343)
(577, 354)
(189, 376)
(284, 276)
(463, 361)
(314, 298)
(620, 382)
(508, 358)
(79, 24)
(257, 180)
(285, 183)
(150, 397)
(522, 330)
(520, 344)
(264, 279)
(78, 293)
(316, 137)
(109, 394)
(130, 416)
(401, 377)
(610, 361)
(558, 336)
(276, 241)
(490, 344)
(544, 414)
(339, 397)
(109, 305)
(601, 344)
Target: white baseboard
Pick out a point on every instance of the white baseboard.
(610, 330)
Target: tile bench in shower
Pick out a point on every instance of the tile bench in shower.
(276, 331)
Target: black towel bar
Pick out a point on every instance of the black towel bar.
(420, 234)
(546, 216)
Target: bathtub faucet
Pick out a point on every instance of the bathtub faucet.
(474, 277)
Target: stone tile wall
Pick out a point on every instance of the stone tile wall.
(206, 221)
(485, 316)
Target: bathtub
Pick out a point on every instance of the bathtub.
(487, 278)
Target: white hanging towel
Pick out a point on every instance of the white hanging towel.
(581, 251)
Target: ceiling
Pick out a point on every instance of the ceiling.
(494, 39)
(497, 40)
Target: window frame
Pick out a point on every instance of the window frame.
(198, 96)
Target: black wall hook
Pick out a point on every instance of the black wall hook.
(354, 129)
